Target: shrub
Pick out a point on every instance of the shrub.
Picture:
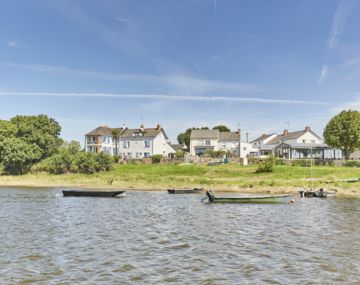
(215, 153)
(156, 158)
(328, 162)
(70, 160)
(104, 162)
(352, 163)
(267, 165)
(302, 162)
(280, 161)
(180, 153)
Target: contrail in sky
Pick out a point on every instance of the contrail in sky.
(181, 40)
(166, 97)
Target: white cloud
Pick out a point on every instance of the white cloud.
(180, 82)
(323, 74)
(342, 13)
(12, 44)
(167, 97)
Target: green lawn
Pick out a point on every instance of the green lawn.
(231, 177)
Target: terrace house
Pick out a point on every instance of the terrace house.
(131, 143)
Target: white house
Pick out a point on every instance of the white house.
(144, 142)
(203, 140)
(131, 143)
(298, 144)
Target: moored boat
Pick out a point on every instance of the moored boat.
(248, 199)
(90, 193)
(316, 193)
(185, 191)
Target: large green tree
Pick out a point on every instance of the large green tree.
(222, 128)
(7, 129)
(343, 132)
(39, 130)
(17, 155)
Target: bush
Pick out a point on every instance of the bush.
(280, 161)
(70, 159)
(351, 163)
(156, 158)
(325, 162)
(302, 162)
(215, 153)
(267, 165)
(104, 162)
(180, 153)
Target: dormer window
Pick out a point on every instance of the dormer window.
(138, 134)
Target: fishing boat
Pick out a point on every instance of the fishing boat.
(91, 193)
(247, 199)
(185, 191)
(318, 193)
(315, 193)
(352, 180)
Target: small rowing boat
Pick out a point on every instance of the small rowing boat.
(185, 191)
(247, 199)
(90, 193)
(318, 194)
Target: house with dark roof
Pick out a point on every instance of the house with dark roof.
(298, 144)
(129, 143)
(204, 140)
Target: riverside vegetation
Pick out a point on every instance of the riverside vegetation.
(229, 177)
(33, 154)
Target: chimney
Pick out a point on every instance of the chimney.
(158, 126)
(285, 132)
(124, 127)
(142, 127)
(307, 128)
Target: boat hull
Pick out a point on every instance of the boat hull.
(316, 194)
(89, 193)
(249, 199)
(185, 191)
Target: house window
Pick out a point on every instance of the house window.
(304, 141)
(207, 142)
(146, 154)
(138, 155)
(223, 145)
(146, 143)
(129, 154)
(103, 139)
(126, 144)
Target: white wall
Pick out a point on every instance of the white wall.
(161, 145)
(308, 137)
(202, 142)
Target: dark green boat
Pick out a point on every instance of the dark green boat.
(248, 199)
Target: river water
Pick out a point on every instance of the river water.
(157, 238)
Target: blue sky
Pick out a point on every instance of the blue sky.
(263, 65)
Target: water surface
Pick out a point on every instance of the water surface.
(157, 238)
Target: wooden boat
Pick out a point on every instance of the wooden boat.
(247, 199)
(185, 191)
(91, 193)
(317, 193)
(352, 180)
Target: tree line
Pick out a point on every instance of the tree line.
(34, 143)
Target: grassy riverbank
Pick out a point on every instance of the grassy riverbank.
(230, 177)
